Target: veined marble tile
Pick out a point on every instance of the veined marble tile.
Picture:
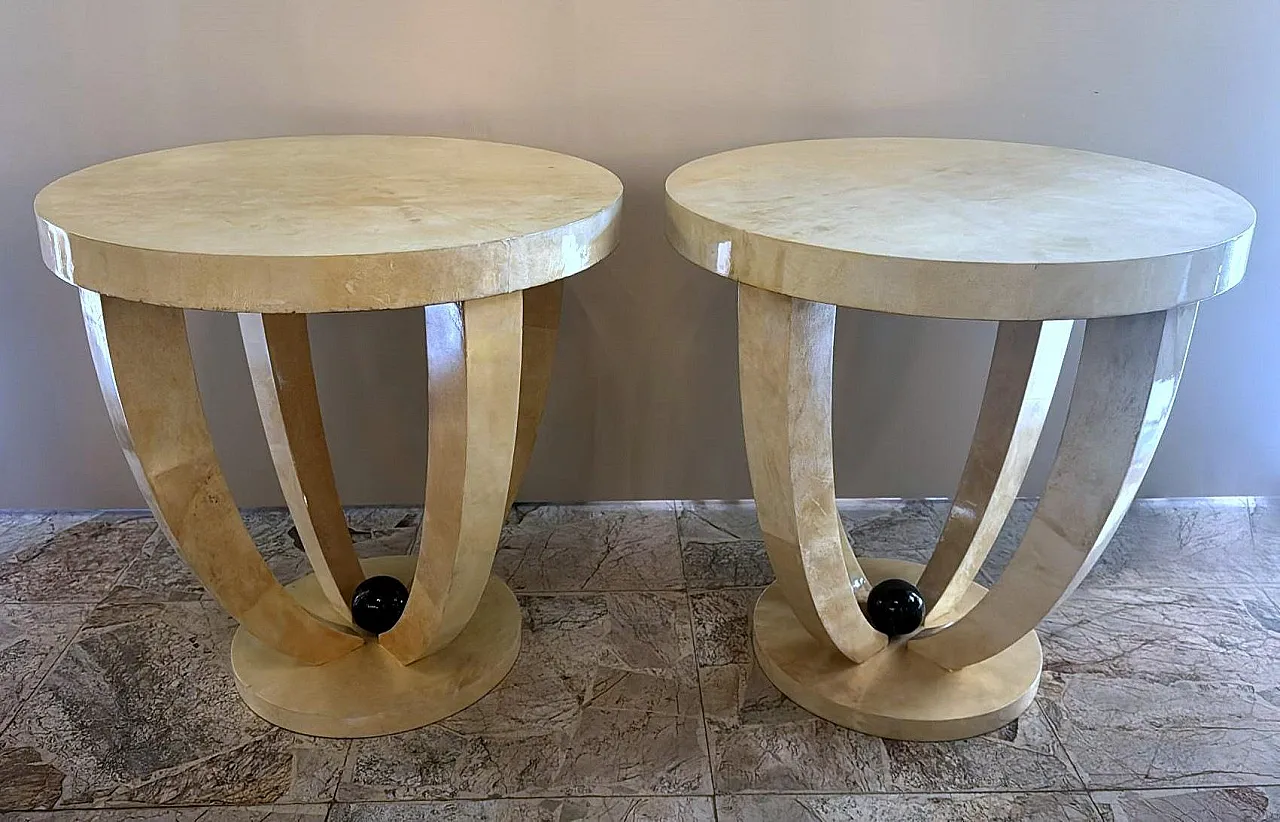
(982, 807)
(159, 575)
(909, 529)
(31, 637)
(594, 547)
(277, 539)
(1165, 687)
(142, 710)
(373, 521)
(762, 742)
(721, 545)
(597, 809)
(1160, 542)
(1185, 542)
(20, 530)
(1166, 635)
(259, 813)
(893, 529)
(602, 700)
(1203, 805)
(67, 558)
(1264, 521)
(721, 622)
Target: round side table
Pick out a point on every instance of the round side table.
(481, 234)
(1030, 236)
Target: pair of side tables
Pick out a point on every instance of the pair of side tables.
(481, 235)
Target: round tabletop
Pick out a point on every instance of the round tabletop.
(342, 223)
(959, 228)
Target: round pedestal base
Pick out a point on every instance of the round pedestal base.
(368, 692)
(897, 694)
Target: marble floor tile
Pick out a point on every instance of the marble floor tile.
(59, 559)
(1264, 522)
(259, 813)
(1159, 542)
(909, 529)
(23, 530)
(159, 575)
(1166, 635)
(602, 700)
(982, 807)
(373, 521)
(721, 545)
(141, 710)
(1162, 687)
(596, 809)
(892, 528)
(374, 534)
(1164, 542)
(762, 742)
(591, 547)
(1203, 805)
(31, 638)
(721, 622)
(1185, 542)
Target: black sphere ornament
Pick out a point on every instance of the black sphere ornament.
(895, 607)
(378, 603)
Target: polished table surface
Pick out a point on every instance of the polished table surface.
(328, 223)
(959, 228)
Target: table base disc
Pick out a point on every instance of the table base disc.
(897, 694)
(368, 692)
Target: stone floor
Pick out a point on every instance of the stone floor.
(635, 696)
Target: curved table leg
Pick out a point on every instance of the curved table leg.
(1128, 375)
(1024, 371)
(541, 326)
(279, 353)
(147, 378)
(473, 364)
(784, 363)
(459, 634)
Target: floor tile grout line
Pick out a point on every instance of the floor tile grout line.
(1001, 791)
(487, 798)
(795, 792)
(1093, 803)
(697, 669)
(713, 796)
(1053, 728)
(693, 640)
(1097, 806)
(342, 771)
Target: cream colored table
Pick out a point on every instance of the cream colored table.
(481, 234)
(1030, 236)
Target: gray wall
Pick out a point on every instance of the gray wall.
(644, 402)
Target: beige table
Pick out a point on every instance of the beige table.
(1030, 236)
(481, 234)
